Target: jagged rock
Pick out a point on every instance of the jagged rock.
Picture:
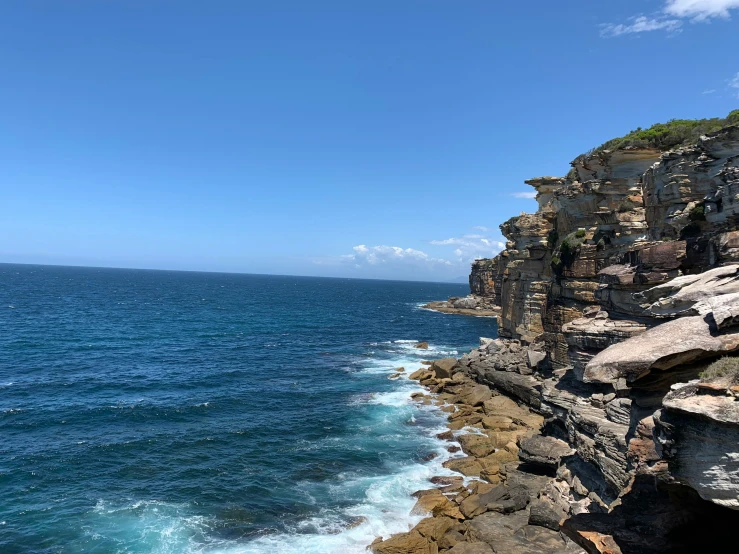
(443, 368)
(476, 445)
(468, 466)
(658, 349)
(498, 423)
(511, 534)
(535, 357)
(422, 345)
(435, 503)
(403, 543)
(475, 396)
(501, 499)
(542, 450)
(699, 435)
(546, 513)
(680, 295)
(434, 528)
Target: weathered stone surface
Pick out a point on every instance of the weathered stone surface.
(680, 295)
(511, 534)
(434, 528)
(475, 396)
(471, 548)
(658, 349)
(542, 450)
(437, 504)
(546, 513)
(699, 434)
(468, 466)
(476, 445)
(443, 368)
(404, 543)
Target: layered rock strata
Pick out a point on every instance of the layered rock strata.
(614, 297)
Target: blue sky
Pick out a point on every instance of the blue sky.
(383, 139)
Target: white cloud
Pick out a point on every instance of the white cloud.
(700, 10)
(640, 24)
(378, 255)
(470, 247)
(482, 228)
(734, 84)
(525, 194)
(709, 91)
(670, 18)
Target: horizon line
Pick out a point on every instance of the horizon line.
(226, 272)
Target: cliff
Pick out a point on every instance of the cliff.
(614, 297)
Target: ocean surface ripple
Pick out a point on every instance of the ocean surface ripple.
(177, 412)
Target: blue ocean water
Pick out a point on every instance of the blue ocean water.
(175, 412)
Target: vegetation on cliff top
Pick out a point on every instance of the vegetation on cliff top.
(724, 369)
(665, 136)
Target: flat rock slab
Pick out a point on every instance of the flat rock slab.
(475, 396)
(511, 534)
(663, 347)
(546, 451)
(471, 548)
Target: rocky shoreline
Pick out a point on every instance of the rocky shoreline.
(605, 417)
(507, 496)
(469, 305)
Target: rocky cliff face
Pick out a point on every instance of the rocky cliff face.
(614, 296)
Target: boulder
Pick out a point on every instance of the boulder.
(437, 504)
(546, 513)
(476, 445)
(546, 451)
(475, 395)
(498, 423)
(422, 345)
(468, 466)
(443, 368)
(403, 543)
(500, 499)
(434, 528)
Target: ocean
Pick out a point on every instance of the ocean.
(183, 412)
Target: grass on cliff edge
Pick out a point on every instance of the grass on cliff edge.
(725, 370)
(665, 136)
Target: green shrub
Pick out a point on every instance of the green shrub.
(580, 233)
(552, 238)
(666, 136)
(627, 206)
(601, 244)
(697, 213)
(724, 369)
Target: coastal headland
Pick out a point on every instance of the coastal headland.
(604, 418)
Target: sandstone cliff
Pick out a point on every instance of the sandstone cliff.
(614, 296)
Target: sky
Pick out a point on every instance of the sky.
(374, 139)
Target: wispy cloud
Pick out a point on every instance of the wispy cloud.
(709, 91)
(640, 24)
(734, 84)
(378, 255)
(671, 17)
(444, 258)
(470, 247)
(524, 194)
